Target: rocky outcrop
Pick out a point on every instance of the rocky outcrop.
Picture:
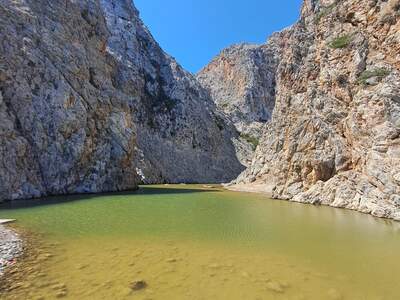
(241, 81)
(334, 137)
(89, 102)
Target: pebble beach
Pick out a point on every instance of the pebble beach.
(10, 247)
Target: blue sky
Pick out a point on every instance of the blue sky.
(194, 31)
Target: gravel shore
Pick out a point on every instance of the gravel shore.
(10, 247)
(250, 188)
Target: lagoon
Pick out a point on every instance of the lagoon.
(197, 242)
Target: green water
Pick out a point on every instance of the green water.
(190, 242)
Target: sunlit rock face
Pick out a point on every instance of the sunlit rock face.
(89, 102)
(334, 136)
(241, 81)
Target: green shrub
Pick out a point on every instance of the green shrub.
(170, 104)
(340, 42)
(380, 73)
(250, 139)
(225, 105)
(220, 123)
(324, 12)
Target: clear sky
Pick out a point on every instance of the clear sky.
(194, 31)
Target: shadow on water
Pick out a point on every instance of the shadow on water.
(142, 191)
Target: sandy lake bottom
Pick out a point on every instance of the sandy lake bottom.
(195, 242)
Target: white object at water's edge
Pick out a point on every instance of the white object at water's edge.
(6, 221)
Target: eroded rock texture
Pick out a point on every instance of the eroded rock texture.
(89, 102)
(334, 137)
(241, 81)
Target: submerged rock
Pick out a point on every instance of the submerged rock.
(275, 287)
(138, 285)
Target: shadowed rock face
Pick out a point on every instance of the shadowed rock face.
(89, 102)
(334, 137)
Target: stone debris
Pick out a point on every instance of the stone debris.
(10, 247)
(138, 285)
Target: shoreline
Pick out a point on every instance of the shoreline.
(10, 247)
(250, 188)
(267, 191)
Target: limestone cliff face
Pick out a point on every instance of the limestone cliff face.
(241, 81)
(334, 137)
(89, 102)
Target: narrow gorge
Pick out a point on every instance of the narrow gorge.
(125, 176)
(91, 103)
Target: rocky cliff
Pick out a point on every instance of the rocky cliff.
(89, 102)
(334, 137)
(241, 81)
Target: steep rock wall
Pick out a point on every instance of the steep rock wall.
(89, 102)
(241, 81)
(334, 137)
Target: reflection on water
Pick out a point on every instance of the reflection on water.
(148, 190)
(187, 242)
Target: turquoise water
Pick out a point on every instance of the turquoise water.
(191, 242)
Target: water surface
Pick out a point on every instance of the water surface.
(191, 242)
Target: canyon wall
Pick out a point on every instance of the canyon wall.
(89, 102)
(241, 82)
(334, 136)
